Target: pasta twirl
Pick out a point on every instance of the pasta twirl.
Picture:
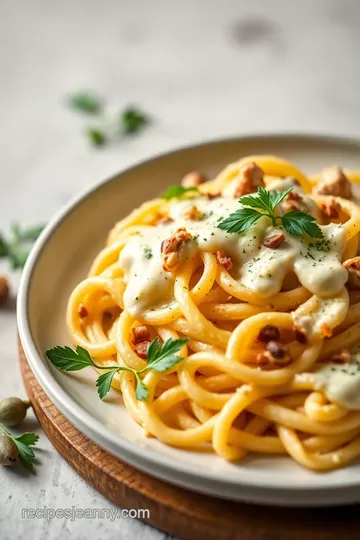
(272, 364)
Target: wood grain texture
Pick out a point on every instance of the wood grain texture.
(174, 510)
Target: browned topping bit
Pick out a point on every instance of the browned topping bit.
(249, 179)
(274, 241)
(325, 330)
(224, 260)
(269, 333)
(330, 209)
(333, 181)
(277, 349)
(172, 246)
(341, 357)
(164, 220)
(4, 289)
(274, 357)
(299, 335)
(193, 213)
(139, 334)
(353, 268)
(211, 196)
(142, 348)
(192, 179)
(82, 311)
(293, 202)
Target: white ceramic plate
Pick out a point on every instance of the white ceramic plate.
(61, 258)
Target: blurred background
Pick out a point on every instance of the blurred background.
(199, 70)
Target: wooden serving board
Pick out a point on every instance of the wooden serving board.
(181, 513)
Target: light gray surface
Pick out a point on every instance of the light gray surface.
(203, 69)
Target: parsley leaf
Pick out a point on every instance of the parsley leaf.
(141, 390)
(85, 102)
(163, 357)
(132, 120)
(17, 248)
(103, 382)
(66, 359)
(4, 248)
(294, 222)
(240, 221)
(177, 191)
(24, 444)
(298, 223)
(160, 358)
(96, 136)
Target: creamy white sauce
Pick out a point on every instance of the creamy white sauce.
(260, 269)
(319, 315)
(340, 382)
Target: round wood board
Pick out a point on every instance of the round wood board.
(176, 511)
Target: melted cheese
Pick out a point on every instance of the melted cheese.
(262, 270)
(339, 382)
(318, 316)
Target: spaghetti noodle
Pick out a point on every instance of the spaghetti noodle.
(271, 365)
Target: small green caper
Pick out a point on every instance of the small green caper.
(13, 411)
(8, 451)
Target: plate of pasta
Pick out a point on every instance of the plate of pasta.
(198, 316)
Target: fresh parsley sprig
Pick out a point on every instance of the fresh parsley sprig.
(24, 444)
(85, 102)
(17, 247)
(176, 192)
(159, 357)
(264, 204)
(131, 119)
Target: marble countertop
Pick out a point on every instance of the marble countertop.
(202, 70)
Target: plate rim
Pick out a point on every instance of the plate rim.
(160, 465)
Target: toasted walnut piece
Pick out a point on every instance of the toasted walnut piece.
(299, 335)
(193, 213)
(142, 348)
(164, 220)
(4, 289)
(249, 179)
(269, 333)
(330, 209)
(139, 334)
(211, 196)
(341, 357)
(274, 241)
(171, 248)
(333, 181)
(293, 202)
(82, 311)
(171, 260)
(176, 241)
(192, 179)
(224, 260)
(353, 268)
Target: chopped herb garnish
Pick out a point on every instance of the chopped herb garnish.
(147, 253)
(17, 248)
(86, 102)
(132, 120)
(177, 192)
(96, 136)
(264, 204)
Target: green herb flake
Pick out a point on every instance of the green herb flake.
(132, 120)
(85, 102)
